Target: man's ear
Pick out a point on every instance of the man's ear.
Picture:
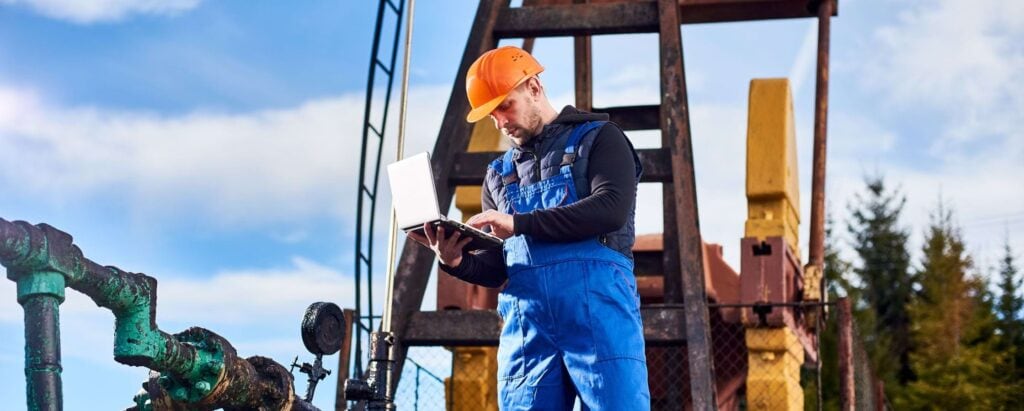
(534, 87)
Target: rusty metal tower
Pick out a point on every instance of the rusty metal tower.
(681, 321)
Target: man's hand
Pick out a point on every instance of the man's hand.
(502, 225)
(448, 249)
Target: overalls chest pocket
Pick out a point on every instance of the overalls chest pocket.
(556, 191)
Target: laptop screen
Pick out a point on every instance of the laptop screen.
(412, 191)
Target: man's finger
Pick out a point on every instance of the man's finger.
(429, 234)
(419, 238)
(440, 234)
(454, 238)
(479, 221)
(462, 244)
(477, 218)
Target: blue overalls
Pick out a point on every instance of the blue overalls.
(571, 310)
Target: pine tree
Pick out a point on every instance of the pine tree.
(1011, 327)
(955, 356)
(885, 281)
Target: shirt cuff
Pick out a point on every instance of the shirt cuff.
(522, 223)
(458, 272)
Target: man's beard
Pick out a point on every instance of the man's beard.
(534, 125)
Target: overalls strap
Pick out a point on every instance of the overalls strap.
(573, 143)
(506, 167)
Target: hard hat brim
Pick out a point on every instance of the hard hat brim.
(485, 109)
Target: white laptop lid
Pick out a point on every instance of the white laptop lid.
(412, 191)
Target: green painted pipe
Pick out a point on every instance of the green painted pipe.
(198, 367)
(40, 296)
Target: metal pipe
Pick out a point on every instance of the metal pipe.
(393, 230)
(197, 367)
(816, 253)
(42, 351)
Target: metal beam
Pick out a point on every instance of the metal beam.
(847, 387)
(633, 117)
(675, 129)
(565, 18)
(577, 20)
(663, 325)
(584, 70)
(340, 403)
(816, 252)
(469, 168)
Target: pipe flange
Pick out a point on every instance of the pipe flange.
(206, 373)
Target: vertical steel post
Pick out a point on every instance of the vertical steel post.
(584, 70)
(847, 394)
(675, 130)
(40, 295)
(817, 245)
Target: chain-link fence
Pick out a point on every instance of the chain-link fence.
(422, 384)
(756, 368)
(859, 388)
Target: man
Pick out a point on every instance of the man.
(563, 198)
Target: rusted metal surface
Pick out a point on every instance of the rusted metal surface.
(584, 70)
(454, 328)
(577, 20)
(816, 253)
(663, 325)
(455, 294)
(770, 273)
(771, 284)
(529, 41)
(651, 288)
(675, 128)
(721, 281)
(344, 354)
(470, 168)
(42, 353)
(847, 398)
(633, 117)
(416, 261)
(564, 18)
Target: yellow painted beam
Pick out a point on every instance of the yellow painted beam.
(773, 196)
(473, 385)
(774, 357)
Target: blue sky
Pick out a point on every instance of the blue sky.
(213, 144)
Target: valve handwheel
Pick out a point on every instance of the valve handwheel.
(323, 328)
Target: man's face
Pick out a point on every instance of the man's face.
(518, 117)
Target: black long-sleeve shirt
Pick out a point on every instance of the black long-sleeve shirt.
(612, 180)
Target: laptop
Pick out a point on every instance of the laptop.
(415, 201)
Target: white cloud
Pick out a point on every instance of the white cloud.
(249, 168)
(230, 297)
(252, 296)
(805, 64)
(92, 11)
(964, 60)
(16, 105)
(978, 184)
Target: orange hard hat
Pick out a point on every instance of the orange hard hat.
(495, 74)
